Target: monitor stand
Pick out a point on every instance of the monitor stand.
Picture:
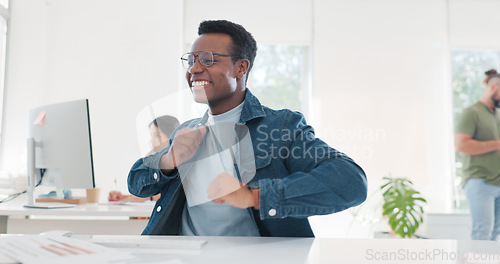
(31, 183)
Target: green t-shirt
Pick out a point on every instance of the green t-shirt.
(482, 125)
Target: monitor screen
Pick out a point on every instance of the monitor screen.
(63, 148)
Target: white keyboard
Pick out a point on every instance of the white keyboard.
(49, 205)
(148, 242)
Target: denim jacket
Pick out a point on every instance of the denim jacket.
(298, 176)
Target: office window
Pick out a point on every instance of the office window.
(279, 76)
(4, 14)
(468, 67)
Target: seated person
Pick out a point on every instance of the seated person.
(160, 131)
(242, 169)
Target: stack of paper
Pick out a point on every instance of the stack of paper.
(57, 249)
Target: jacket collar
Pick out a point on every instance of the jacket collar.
(251, 109)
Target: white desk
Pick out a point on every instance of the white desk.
(244, 250)
(83, 219)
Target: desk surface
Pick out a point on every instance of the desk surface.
(15, 208)
(104, 219)
(252, 250)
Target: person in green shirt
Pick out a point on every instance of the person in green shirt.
(477, 135)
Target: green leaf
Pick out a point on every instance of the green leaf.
(403, 205)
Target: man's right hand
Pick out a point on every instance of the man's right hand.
(183, 148)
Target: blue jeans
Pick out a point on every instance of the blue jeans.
(484, 204)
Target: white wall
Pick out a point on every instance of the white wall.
(474, 24)
(276, 21)
(386, 84)
(121, 55)
(383, 65)
(25, 78)
(380, 74)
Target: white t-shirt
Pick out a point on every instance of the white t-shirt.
(219, 153)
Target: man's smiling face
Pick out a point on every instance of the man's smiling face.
(217, 84)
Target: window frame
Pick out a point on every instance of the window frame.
(5, 14)
(306, 76)
(459, 198)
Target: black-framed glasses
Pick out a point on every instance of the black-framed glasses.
(206, 58)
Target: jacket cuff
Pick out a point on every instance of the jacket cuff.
(155, 173)
(270, 197)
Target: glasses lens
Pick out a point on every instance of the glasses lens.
(187, 60)
(206, 58)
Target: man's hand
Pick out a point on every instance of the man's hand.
(159, 147)
(227, 189)
(183, 148)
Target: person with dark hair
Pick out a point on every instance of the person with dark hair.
(242, 169)
(160, 130)
(477, 136)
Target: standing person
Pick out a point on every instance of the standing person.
(160, 130)
(477, 135)
(278, 173)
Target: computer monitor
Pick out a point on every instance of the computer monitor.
(60, 147)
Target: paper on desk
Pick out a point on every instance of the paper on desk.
(144, 204)
(57, 249)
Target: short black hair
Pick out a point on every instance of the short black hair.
(244, 45)
(166, 124)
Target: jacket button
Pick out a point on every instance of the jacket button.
(155, 176)
(158, 209)
(272, 212)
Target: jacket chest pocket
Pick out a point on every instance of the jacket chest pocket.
(263, 166)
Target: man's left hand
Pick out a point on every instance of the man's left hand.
(227, 189)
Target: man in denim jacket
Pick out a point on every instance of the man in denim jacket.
(282, 173)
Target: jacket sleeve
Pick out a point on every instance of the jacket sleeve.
(145, 178)
(321, 180)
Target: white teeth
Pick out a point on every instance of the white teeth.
(199, 83)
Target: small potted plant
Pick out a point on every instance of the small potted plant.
(403, 205)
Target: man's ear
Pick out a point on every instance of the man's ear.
(242, 68)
